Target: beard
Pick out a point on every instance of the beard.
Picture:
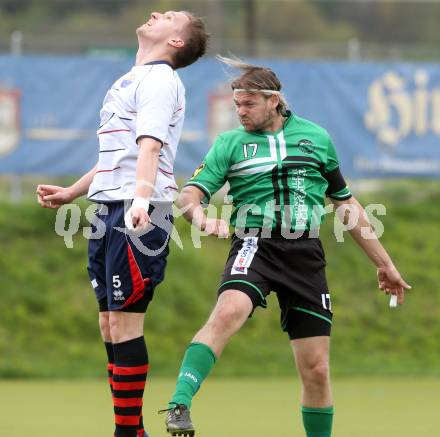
(259, 125)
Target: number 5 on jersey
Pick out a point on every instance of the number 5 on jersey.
(116, 281)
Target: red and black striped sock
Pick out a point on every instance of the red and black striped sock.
(111, 363)
(129, 377)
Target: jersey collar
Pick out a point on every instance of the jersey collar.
(159, 62)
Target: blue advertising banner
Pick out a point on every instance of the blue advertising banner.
(383, 118)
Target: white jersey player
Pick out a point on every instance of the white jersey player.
(141, 122)
(147, 102)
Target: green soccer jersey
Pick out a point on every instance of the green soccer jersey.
(278, 180)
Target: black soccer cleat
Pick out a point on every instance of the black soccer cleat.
(178, 421)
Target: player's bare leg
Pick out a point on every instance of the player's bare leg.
(230, 313)
(125, 326)
(312, 361)
(228, 316)
(104, 326)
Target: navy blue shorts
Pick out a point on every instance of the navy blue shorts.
(125, 268)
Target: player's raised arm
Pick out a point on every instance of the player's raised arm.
(207, 179)
(189, 201)
(52, 196)
(389, 278)
(146, 173)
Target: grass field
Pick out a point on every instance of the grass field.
(365, 407)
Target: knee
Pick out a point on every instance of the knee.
(125, 326)
(115, 327)
(228, 317)
(316, 374)
(104, 326)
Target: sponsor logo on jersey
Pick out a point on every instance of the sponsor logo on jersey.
(198, 170)
(128, 80)
(118, 295)
(306, 146)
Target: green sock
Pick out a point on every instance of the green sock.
(317, 421)
(196, 365)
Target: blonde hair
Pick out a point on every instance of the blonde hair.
(256, 79)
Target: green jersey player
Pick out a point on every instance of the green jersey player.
(278, 180)
(280, 168)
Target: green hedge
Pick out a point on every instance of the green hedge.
(48, 323)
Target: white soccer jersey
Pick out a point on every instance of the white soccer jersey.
(149, 101)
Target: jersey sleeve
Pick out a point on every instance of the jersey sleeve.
(211, 175)
(156, 99)
(337, 187)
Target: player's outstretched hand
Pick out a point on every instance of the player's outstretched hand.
(51, 196)
(391, 282)
(137, 218)
(216, 227)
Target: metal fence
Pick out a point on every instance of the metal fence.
(294, 29)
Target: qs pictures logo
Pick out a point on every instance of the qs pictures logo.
(400, 106)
